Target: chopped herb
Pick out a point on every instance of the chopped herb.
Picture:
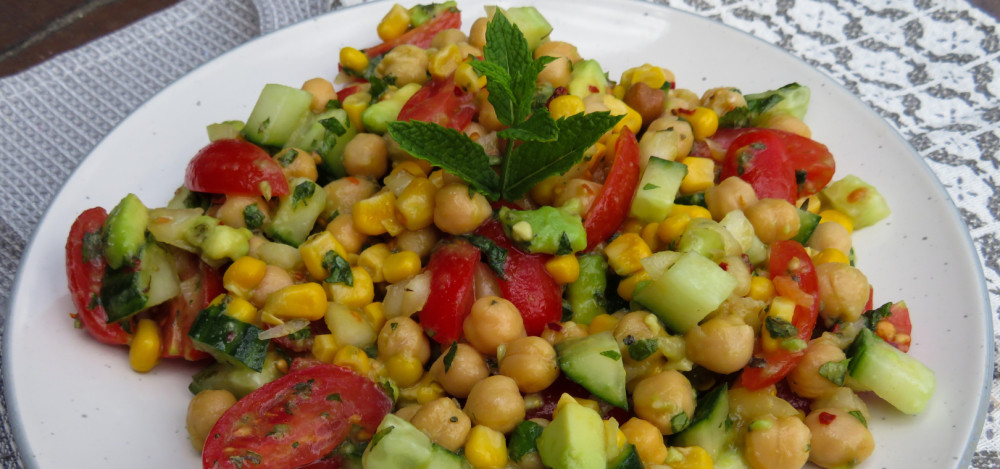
(450, 356)
(453, 419)
(371, 350)
(303, 192)
(872, 317)
(522, 440)
(253, 218)
(93, 245)
(642, 349)
(95, 301)
(393, 325)
(495, 256)
(835, 372)
(334, 397)
(333, 125)
(858, 415)
(794, 344)
(332, 104)
(565, 247)
(264, 126)
(679, 422)
(650, 186)
(295, 444)
(279, 431)
(780, 328)
(287, 156)
(567, 311)
(304, 387)
(339, 269)
(379, 435)
(300, 334)
(612, 354)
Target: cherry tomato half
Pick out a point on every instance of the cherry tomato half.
(612, 203)
(422, 35)
(200, 284)
(440, 102)
(451, 266)
(231, 166)
(758, 157)
(85, 266)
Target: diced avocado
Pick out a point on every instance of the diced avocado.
(595, 363)
(708, 238)
(125, 231)
(586, 294)
(236, 377)
(441, 458)
(587, 78)
(397, 443)
(807, 224)
(224, 130)
(857, 199)
(710, 427)
(378, 116)
(326, 134)
(135, 287)
(893, 375)
(791, 99)
(226, 242)
(574, 439)
(227, 338)
(546, 229)
(297, 212)
(691, 288)
(627, 459)
(532, 24)
(279, 111)
(420, 14)
(654, 196)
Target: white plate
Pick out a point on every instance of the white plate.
(75, 402)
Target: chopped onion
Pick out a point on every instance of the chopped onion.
(284, 329)
(406, 298)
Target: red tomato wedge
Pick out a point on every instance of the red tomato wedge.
(344, 93)
(795, 277)
(200, 284)
(899, 333)
(451, 266)
(440, 102)
(85, 266)
(422, 35)
(527, 284)
(295, 420)
(612, 203)
(758, 157)
(233, 166)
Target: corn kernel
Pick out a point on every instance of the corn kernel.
(375, 314)
(761, 288)
(394, 23)
(415, 205)
(428, 390)
(468, 79)
(810, 204)
(647, 439)
(648, 234)
(314, 251)
(704, 122)
(242, 310)
(243, 276)
(353, 59)
(358, 295)
(354, 358)
(700, 174)
(354, 105)
(693, 211)
(830, 255)
(324, 347)
(376, 215)
(302, 300)
(400, 266)
(689, 457)
(373, 260)
(837, 217)
(411, 167)
(486, 448)
(626, 252)
(631, 118)
(626, 288)
(602, 323)
(619, 91)
(781, 308)
(563, 269)
(632, 225)
(406, 370)
(651, 75)
(144, 350)
(565, 106)
(671, 229)
(443, 62)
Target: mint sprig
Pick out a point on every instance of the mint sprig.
(449, 149)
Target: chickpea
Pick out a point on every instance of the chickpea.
(731, 194)
(557, 72)
(580, 189)
(721, 344)
(492, 322)
(468, 367)
(685, 137)
(830, 235)
(477, 32)
(458, 210)
(805, 379)
(296, 163)
(322, 92)
(366, 155)
(407, 63)
(647, 439)
(558, 49)
(662, 397)
(777, 443)
(421, 241)
(233, 210)
(444, 422)
(723, 100)
(403, 336)
(488, 114)
(738, 269)
(842, 398)
(203, 411)
(843, 291)
(788, 123)
(839, 439)
(531, 362)
(633, 327)
(496, 403)
(773, 219)
(448, 37)
(407, 412)
(563, 331)
(681, 98)
(275, 278)
(341, 194)
(342, 228)
(646, 100)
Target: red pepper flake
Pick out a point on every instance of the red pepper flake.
(555, 326)
(594, 89)
(559, 91)
(724, 265)
(458, 92)
(825, 418)
(685, 111)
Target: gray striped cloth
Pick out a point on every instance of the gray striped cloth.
(52, 115)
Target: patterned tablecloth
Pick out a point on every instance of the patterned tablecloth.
(931, 68)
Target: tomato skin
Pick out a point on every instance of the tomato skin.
(790, 260)
(200, 284)
(231, 166)
(84, 274)
(450, 301)
(899, 317)
(344, 93)
(440, 102)
(295, 420)
(422, 35)
(810, 159)
(612, 203)
(758, 158)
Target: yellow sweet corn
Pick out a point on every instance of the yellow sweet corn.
(405, 369)
(375, 314)
(648, 234)
(781, 308)
(671, 229)
(354, 358)
(563, 269)
(647, 439)
(302, 300)
(614, 439)
(242, 309)
(358, 295)
(651, 75)
(704, 122)
(565, 106)
(632, 225)
(830, 255)
(837, 217)
(324, 347)
(394, 23)
(373, 260)
(761, 288)
(693, 211)
(353, 59)
(486, 448)
(401, 266)
(626, 288)
(631, 118)
(243, 276)
(625, 252)
(468, 79)
(376, 215)
(443, 62)
(688, 457)
(411, 167)
(415, 205)
(144, 350)
(700, 175)
(601, 323)
(314, 253)
(810, 204)
(354, 105)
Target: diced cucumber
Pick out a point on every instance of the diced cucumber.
(170, 226)
(224, 130)
(662, 144)
(226, 242)
(857, 199)
(188, 229)
(135, 287)
(708, 238)
(731, 459)
(377, 117)
(297, 212)
(397, 443)
(627, 459)
(586, 294)
(326, 134)
(893, 375)
(654, 196)
(710, 427)
(532, 24)
(279, 111)
(740, 227)
(807, 224)
(595, 363)
(691, 288)
(574, 439)
(125, 231)
(420, 14)
(236, 377)
(587, 78)
(227, 338)
(441, 458)
(791, 99)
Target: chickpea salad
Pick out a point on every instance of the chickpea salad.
(472, 248)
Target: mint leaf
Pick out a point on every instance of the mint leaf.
(538, 128)
(531, 162)
(495, 256)
(339, 268)
(780, 328)
(449, 149)
(512, 73)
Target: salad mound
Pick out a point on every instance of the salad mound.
(477, 250)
